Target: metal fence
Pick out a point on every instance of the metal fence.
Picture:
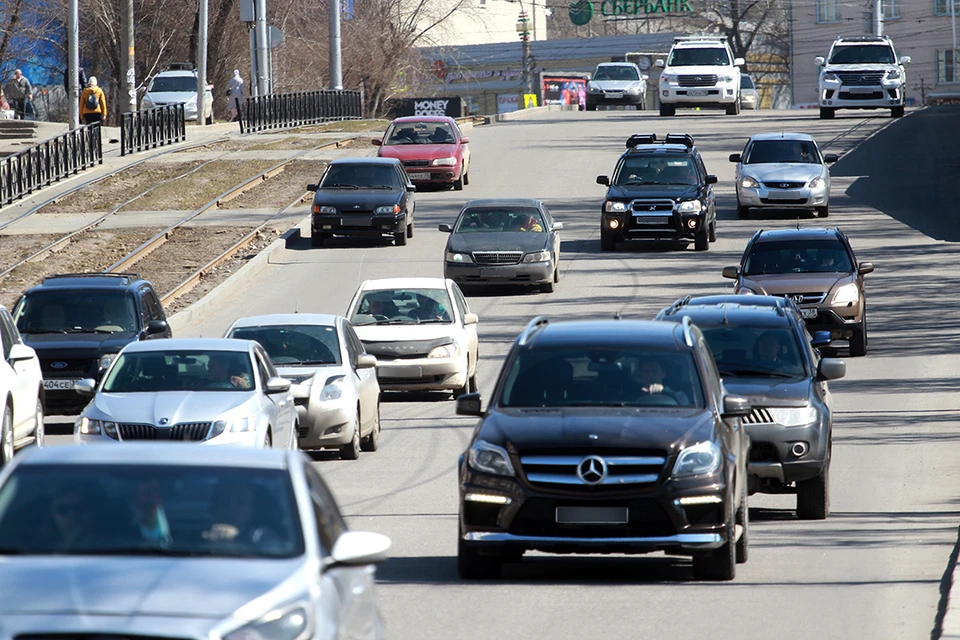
(50, 161)
(282, 110)
(151, 128)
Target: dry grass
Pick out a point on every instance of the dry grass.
(200, 187)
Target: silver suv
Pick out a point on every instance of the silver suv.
(700, 72)
(862, 72)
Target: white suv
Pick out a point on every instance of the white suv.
(862, 72)
(700, 72)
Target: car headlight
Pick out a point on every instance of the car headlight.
(444, 162)
(537, 256)
(90, 427)
(592, 88)
(847, 293)
(749, 183)
(490, 458)
(668, 78)
(830, 77)
(701, 459)
(817, 182)
(293, 623)
(300, 379)
(234, 425)
(794, 417)
(146, 103)
(451, 350)
(893, 74)
(634, 89)
(394, 208)
(690, 206)
(614, 207)
(333, 389)
(192, 102)
(324, 209)
(744, 291)
(724, 78)
(107, 359)
(453, 256)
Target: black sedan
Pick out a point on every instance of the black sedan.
(369, 197)
(503, 241)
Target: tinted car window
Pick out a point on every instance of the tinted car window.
(656, 170)
(361, 175)
(76, 312)
(500, 219)
(766, 151)
(420, 133)
(403, 306)
(8, 336)
(117, 509)
(862, 54)
(799, 256)
(180, 371)
(577, 376)
(174, 84)
(617, 73)
(744, 350)
(697, 56)
(295, 344)
(746, 82)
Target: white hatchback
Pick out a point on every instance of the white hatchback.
(21, 384)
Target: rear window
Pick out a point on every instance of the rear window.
(798, 256)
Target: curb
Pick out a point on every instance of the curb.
(522, 113)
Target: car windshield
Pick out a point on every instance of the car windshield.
(620, 377)
(862, 54)
(193, 370)
(617, 73)
(694, 56)
(746, 82)
(360, 175)
(780, 151)
(295, 344)
(500, 219)
(420, 133)
(137, 510)
(754, 351)
(76, 312)
(403, 306)
(655, 169)
(174, 84)
(798, 256)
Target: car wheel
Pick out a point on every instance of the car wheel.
(858, 340)
(733, 109)
(607, 242)
(465, 389)
(6, 436)
(823, 212)
(743, 212)
(39, 432)
(316, 239)
(458, 183)
(556, 274)
(827, 113)
(474, 387)
(466, 177)
(268, 440)
(209, 119)
(351, 450)
(591, 107)
(813, 495)
(701, 240)
(400, 238)
(473, 566)
(713, 232)
(372, 441)
(410, 230)
(720, 564)
(547, 287)
(743, 520)
(897, 112)
(668, 110)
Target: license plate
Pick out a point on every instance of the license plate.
(400, 373)
(425, 175)
(356, 221)
(61, 384)
(808, 313)
(497, 272)
(697, 93)
(614, 94)
(592, 515)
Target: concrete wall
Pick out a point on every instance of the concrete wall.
(483, 22)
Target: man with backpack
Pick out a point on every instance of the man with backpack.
(93, 104)
(20, 91)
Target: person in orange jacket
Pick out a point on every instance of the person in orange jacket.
(93, 104)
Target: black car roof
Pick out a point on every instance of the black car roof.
(796, 234)
(115, 281)
(733, 314)
(604, 333)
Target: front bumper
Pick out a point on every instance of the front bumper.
(422, 374)
(364, 225)
(802, 198)
(672, 226)
(326, 424)
(718, 96)
(437, 175)
(613, 98)
(876, 97)
(242, 439)
(840, 321)
(520, 273)
(771, 455)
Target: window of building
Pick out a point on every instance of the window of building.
(947, 68)
(829, 10)
(891, 9)
(942, 7)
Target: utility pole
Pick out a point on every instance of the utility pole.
(336, 62)
(878, 17)
(128, 103)
(262, 52)
(73, 64)
(202, 64)
(790, 49)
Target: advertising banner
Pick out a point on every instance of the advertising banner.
(507, 102)
(452, 107)
(564, 90)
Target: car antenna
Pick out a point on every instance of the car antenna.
(296, 306)
(724, 320)
(798, 222)
(616, 316)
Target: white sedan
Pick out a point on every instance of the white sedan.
(21, 389)
(422, 332)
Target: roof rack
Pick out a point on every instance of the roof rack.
(864, 38)
(641, 138)
(705, 36)
(532, 327)
(94, 274)
(680, 138)
(181, 66)
(687, 323)
(681, 302)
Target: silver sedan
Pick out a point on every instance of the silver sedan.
(166, 540)
(782, 171)
(206, 390)
(335, 386)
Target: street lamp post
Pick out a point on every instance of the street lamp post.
(523, 29)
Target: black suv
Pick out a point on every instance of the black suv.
(765, 354)
(660, 191)
(366, 197)
(611, 436)
(78, 322)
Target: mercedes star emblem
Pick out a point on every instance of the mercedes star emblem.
(592, 470)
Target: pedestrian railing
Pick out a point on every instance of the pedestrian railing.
(151, 128)
(283, 110)
(50, 161)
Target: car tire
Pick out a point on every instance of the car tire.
(351, 450)
(742, 519)
(410, 230)
(733, 109)
(39, 431)
(720, 564)
(209, 119)
(591, 107)
(372, 441)
(317, 240)
(473, 566)
(473, 386)
(556, 274)
(400, 238)
(6, 436)
(743, 212)
(607, 242)
(858, 340)
(268, 440)
(713, 232)
(667, 110)
(827, 113)
(823, 212)
(466, 177)
(813, 495)
(458, 183)
(897, 112)
(701, 240)
(547, 287)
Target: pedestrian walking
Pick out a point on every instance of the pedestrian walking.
(93, 104)
(81, 79)
(19, 91)
(235, 91)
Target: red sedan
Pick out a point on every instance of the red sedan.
(432, 148)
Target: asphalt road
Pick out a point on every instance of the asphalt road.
(872, 570)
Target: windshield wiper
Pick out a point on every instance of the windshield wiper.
(755, 372)
(395, 321)
(308, 362)
(377, 186)
(139, 551)
(339, 186)
(433, 321)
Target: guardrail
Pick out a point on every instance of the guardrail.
(50, 161)
(151, 128)
(283, 110)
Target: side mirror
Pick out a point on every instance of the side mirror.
(905, 59)
(731, 272)
(464, 140)
(658, 63)
(735, 157)
(376, 142)
(20, 352)
(156, 326)
(366, 361)
(711, 179)
(830, 157)
(865, 268)
(358, 548)
(313, 187)
(411, 188)
(277, 385)
(821, 339)
(471, 318)
(85, 387)
(604, 180)
(557, 226)
(819, 61)
(735, 407)
(831, 369)
(739, 62)
(446, 228)
(469, 404)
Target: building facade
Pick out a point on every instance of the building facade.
(471, 22)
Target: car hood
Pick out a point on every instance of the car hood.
(702, 69)
(175, 406)
(366, 198)
(776, 284)
(786, 171)
(668, 191)
(418, 151)
(615, 85)
(405, 332)
(585, 428)
(770, 392)
(499, 241)
(168, 97)
(141, 586)
(861, 67)
(44, 343)
(303, 374)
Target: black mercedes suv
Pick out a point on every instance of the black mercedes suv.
(659, 190)
(765, 354)
(609, 436)
(78, 322)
